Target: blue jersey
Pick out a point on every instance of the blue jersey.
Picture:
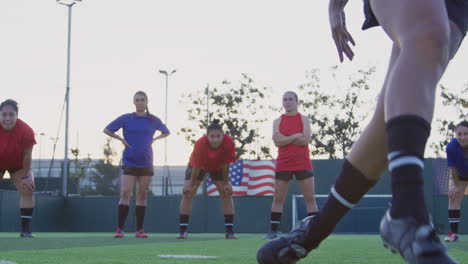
(456, 158)
(138, 131)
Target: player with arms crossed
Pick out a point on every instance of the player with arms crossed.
(291, 134)
(426, 35)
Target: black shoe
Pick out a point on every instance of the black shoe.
(416, 243)
(271, 235)
(26, 234)
(287, 249)
(231, 235)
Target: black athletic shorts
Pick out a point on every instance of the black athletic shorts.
(214, 175)
(132, 171)
(457, 11)
(11, 171)
(288, 175)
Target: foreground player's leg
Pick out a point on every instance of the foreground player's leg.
(454, 209)
(126, 190)
(143, 183)
(281, 190)
(421, 31)
(228, 208)
(189, 191)
(26, 205)
(308, 192)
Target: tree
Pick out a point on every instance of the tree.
(242, 107)
(80, 167)
(458, 102)
(336, 117)
(105, 176)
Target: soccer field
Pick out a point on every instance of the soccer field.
(102, 248)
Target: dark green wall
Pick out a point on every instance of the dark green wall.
(48, 213)
(99, 214)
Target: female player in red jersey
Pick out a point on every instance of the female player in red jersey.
(16, 145)
(291, 134)
(212, 153)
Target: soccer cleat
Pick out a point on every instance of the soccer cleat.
(451, 237)
(141, 234)
(287, 249)
(271, 235)
(416, 243)
(231, 235)
(26, 234)
(119, 233)
(182, 235)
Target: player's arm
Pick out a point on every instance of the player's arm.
(225, 172)
(457, 189)
(113, 135)
(306, 133)
(340, 33)
(281, 140)
(195, 172)
(161, 136)
(25, 172)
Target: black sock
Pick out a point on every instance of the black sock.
(183, 222)
(350, 187)
(140, 216)
(26, 216)
(229, 222)
(454, 220)
(122, 215)
(311, 213)
(407, 137)
(275, 221)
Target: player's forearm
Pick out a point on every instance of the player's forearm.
(161, 136)
(282, 140)
(112, 135)
(27, 164)
(225, 173)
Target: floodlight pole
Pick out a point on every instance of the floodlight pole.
(166, 74)
(67, 98)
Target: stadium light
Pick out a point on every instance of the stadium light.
(69, 4)
(167, 74)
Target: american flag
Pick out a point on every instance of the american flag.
(249, 178)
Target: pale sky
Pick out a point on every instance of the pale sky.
(118, 46)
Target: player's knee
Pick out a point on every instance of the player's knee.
(126, 194)
(432, 42)
(26, 192)
(278, 200)
(188, 193)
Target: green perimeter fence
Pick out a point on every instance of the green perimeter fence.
(54, 213)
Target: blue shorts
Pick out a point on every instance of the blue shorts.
(457, 11)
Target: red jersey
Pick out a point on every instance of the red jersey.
(292, 157)
(206, 158)
(13, 143)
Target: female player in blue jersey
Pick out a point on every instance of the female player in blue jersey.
(137, 161)
(457, 161)
(425, 35)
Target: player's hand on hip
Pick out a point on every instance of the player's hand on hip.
(340, 33)
(126, 143)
